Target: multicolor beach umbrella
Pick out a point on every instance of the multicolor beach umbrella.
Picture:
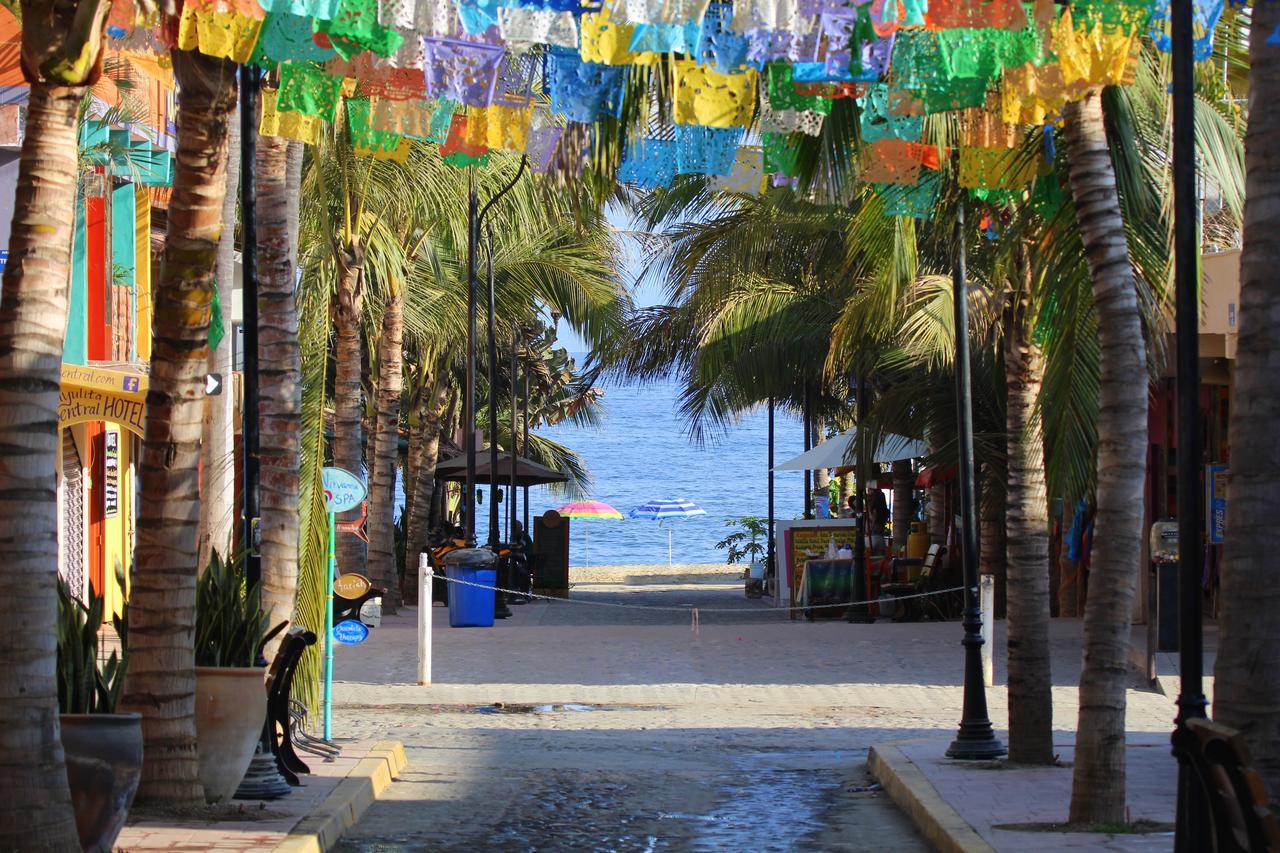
(589, 509)
(661, 511)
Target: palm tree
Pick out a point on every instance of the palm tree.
(280, 388)
(161, 680)
(386, 447)
(1247, 681)
(61, 53)
(1098, 787)
(1027, 526)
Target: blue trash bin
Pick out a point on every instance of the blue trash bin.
(470, 606)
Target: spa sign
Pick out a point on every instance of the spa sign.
(342, 490)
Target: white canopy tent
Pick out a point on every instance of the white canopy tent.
(839, 451)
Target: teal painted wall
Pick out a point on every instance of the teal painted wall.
(76, 347)
(123, 257)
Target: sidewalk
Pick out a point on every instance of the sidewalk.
(960, 806)
(312, 818)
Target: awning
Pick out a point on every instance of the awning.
(528, 472)
(839, 451)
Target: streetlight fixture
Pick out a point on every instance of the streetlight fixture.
(976, 740)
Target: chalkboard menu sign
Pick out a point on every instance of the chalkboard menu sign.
(551, 545)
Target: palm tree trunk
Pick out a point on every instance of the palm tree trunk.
(161, 679)
(1247, 672)
(382, 479)
(1027, 541)
(293, 194)
(904, 480)
(348, 436)
(35, 803)
(1098, 786)
(435, 402)
(280, 386)
(217, 444)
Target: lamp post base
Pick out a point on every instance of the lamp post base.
(976, 742)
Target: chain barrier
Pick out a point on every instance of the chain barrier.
(689, 607)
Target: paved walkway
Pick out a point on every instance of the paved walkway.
(571, 726)
(251, 826)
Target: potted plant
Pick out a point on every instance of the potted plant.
(103, 749)
(231, 696)
(744, 543)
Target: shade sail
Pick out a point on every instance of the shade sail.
(839, 451)
(528, 472)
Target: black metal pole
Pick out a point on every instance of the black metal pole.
(493, 401)
(249, 86)
(1191, 826)
(469, 401)
(771, 568)
(808, 445)
(524, 447)
(860, 612)
(976, 739)
(514, 450)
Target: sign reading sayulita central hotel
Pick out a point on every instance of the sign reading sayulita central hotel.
(102, 394)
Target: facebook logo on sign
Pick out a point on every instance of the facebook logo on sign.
(130, 383)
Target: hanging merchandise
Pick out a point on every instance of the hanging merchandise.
(290, 125)
(457, 152)
(227, 30)
(780, 156)
(663, 38)
(767, 15)
(462, 71)
(782, 93)
(996, 168)
(363, 134)
(319, 10)
(583, 91)
(499, 128)
(746, 176)
(889, 16)
(649, 163)
(719, 47)
(974, 14)
(477, 16)
(522, 27)
(541, 147)
(705, 97)
(307, 89)
(916, 202)
(422, 17)
(286, 38)
(410, 118)
(605, 41)
(664, 11)
(378, 78)
(879, 122)
(355, 28)
(807, 122)
(706, 150)
(896, 161)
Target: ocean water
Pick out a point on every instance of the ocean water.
(641, 452)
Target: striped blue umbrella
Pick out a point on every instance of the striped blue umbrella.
(661, 511)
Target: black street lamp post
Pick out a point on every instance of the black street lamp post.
(249, 87)
(1191, 826)
(771, 568)
(976, 739)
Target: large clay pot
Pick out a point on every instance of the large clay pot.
(104, 766)
(231, 710)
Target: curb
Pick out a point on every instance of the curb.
(907, 786)
(319, 831)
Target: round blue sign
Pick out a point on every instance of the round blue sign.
(350, 632)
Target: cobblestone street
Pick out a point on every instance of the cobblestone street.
(576, 727)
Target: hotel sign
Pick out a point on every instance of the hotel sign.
(102, 394)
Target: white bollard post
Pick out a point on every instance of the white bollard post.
(425, 576)
(987, 593)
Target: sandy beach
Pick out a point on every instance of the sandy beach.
(655, 576)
